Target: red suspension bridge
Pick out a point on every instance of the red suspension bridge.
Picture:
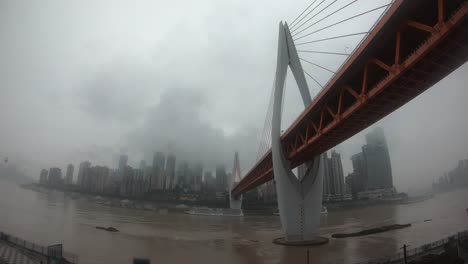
(415, 44)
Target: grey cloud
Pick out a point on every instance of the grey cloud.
(176, 124)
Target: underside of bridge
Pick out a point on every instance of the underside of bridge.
(415, 44)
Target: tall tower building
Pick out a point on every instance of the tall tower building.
(43, 176)
(82, 171)
(337, 176)
(142, 165)
(372, 169)
(221, 178)
(55, 177)
(171, 180)
(379, 168)
(197, 175)
(123, 160)
(69, 175)
(158, 180)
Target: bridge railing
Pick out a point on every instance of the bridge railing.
(410, 253)
(42, 250)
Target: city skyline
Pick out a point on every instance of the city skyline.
(149, 106)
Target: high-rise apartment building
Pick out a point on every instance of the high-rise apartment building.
(43, 176)
(81, 172)
(123, 160)
(197, 175)
(69, 175)
(158, 181)
(333, 180)
(372, 168)
(221, 178)
(170, 176)
(55, 177)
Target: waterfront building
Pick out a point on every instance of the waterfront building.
(379, 169)
(147, 176)
(81, 172)
(209, 182)
(197, 176)
(333, 179)
(69, 175)
(221, 178)
(170, 171)
(43, 176)
(123, 160)
(158, 180)
(100, 179)
(126, 185)
(142, 165)
(372, 167)
(337, 177)
(55, 177)
(184, 176)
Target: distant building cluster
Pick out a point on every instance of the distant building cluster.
(456, 178)
(371, 177)
(372, 169)
(334, 188)
(126, 181)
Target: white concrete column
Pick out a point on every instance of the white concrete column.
(299, 199)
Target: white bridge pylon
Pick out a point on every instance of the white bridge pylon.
(299, 198)
(235, 179)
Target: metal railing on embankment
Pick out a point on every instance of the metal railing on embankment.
(54, 251)
(418, 251)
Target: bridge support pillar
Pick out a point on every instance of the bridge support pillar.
(235, 203)
(299, 198)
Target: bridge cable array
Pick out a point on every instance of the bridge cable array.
(306, 21)
(318, 13)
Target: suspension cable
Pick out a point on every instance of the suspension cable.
(327, 16)
(337, 37)
(303, 12)
(305, 22)
(315, 64)
(299, 21)
(344, 20)
(313, 78)
(324, 52)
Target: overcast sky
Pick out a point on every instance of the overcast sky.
(88, 80)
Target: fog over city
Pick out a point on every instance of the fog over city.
(90, 80)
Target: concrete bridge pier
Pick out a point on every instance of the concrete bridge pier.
(299, 198)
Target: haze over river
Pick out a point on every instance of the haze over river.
(51, 218)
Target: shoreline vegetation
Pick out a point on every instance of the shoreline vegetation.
(371, 231)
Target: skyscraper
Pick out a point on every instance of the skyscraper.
(372, 168)
(221, 178)
(209, 181)
(337, 177)
(379, 168)
(122, 164)
(43, 176)
(171, 180)
(81, 172)
(197, 175)
(158, 180)
(55, 177)
(183, 175)
(69, 175)
(142, 165)
(333, 180)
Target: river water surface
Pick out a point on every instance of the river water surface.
(51, 218)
